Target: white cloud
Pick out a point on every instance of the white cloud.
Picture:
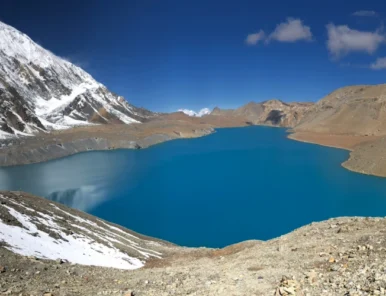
(379, 64)
(253, 39)
(291, 31)
(370, 13)
(343, 40)
(192, 113)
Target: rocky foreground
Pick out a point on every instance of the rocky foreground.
(344, 256)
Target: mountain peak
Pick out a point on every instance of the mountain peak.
(41, 91)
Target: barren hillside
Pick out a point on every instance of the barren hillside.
(356, 110)
(272, 112)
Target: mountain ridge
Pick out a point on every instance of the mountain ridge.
(40, 91)
(358, 109)
(272, 112)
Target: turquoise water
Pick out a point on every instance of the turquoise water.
(234, 185)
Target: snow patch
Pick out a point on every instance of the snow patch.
(4, 135)
(44, 107)
(202, 112)
(71, 122)
(79, 247)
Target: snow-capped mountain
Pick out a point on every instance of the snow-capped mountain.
(40, 91)
(202, 112)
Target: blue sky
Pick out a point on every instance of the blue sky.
(166, 55)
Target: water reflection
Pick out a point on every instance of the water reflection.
(185, 191)
(81, 181)
(84, 198)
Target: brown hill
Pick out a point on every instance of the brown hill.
(356, 110)
(352, 118)
(271, 112)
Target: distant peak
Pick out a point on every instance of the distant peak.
(202, 112)
(275, 100)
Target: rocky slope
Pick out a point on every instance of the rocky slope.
(32, 226)
(272, 112)
(344, 256)
(356, 110)
(40, 91)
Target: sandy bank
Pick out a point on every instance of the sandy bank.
(348, 142)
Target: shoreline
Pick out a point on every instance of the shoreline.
(360, 159)
(290, 137)
(345, 142)
(59, 144)
(57, 151)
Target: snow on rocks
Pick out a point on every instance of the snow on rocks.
(55, 232)
(40, 91)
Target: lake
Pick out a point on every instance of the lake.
(234, 185)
